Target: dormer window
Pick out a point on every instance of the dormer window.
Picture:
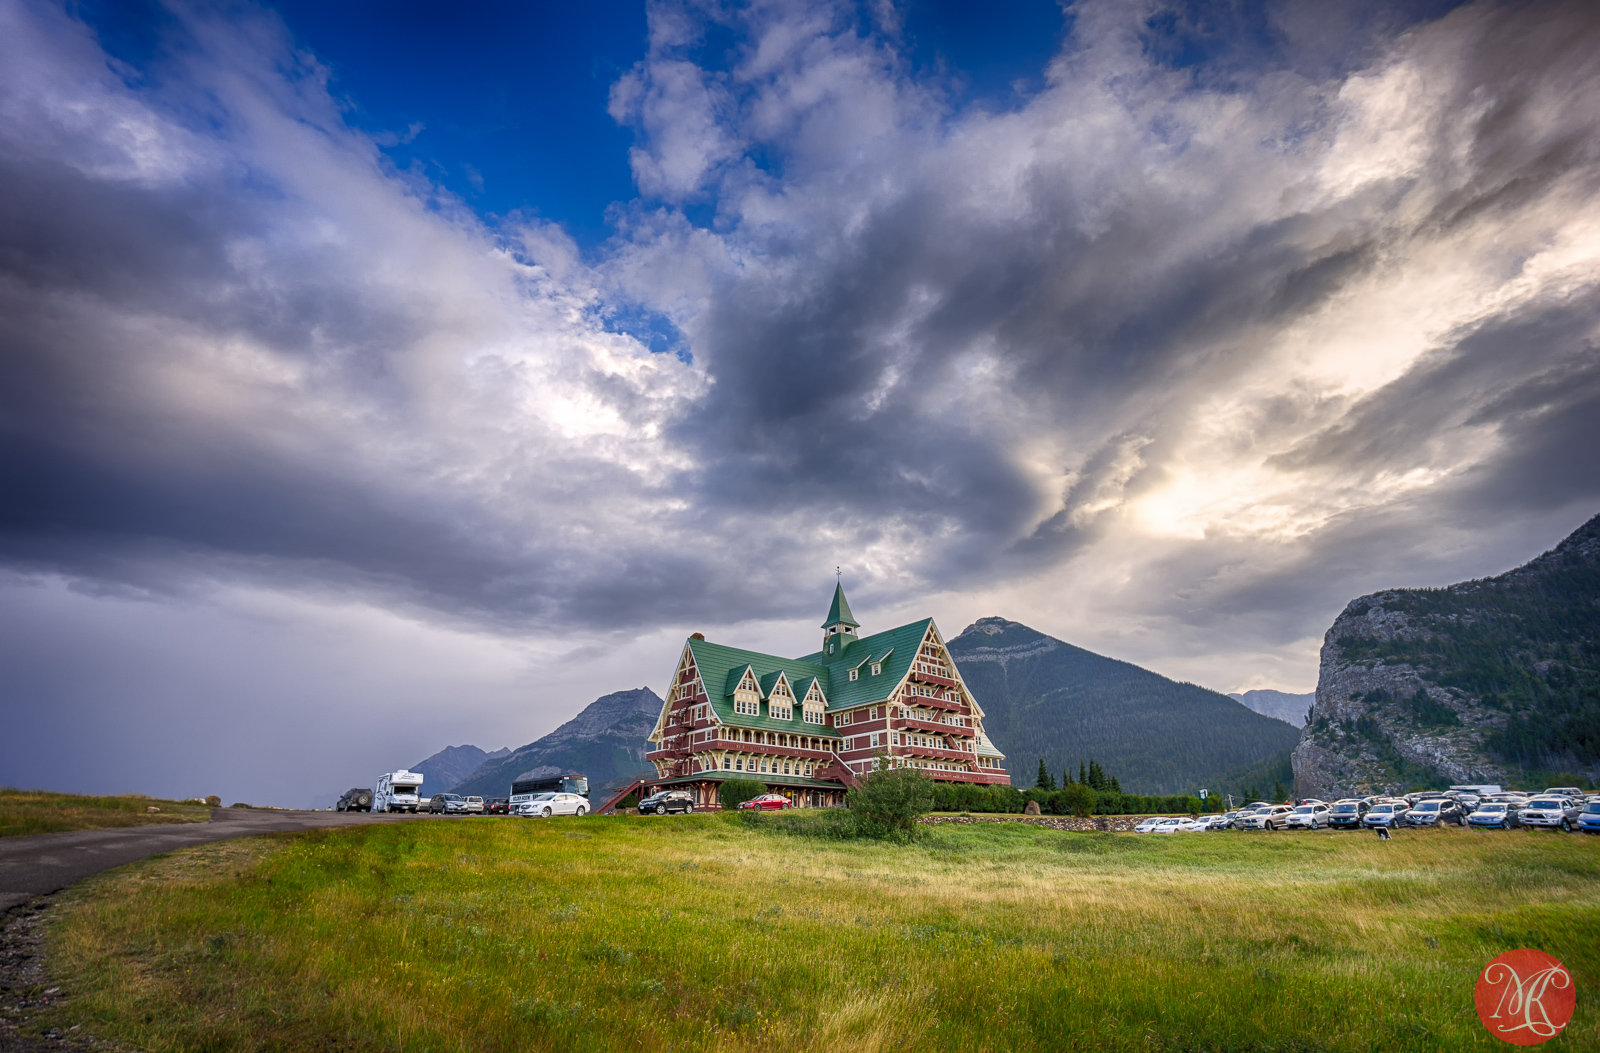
(854, 673)
(877, 667)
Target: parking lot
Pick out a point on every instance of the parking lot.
(1567, 809)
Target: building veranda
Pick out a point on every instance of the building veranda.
(808, 727)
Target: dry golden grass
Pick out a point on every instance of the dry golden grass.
(701, 933)
(41, 812)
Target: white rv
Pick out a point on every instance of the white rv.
(398, 791)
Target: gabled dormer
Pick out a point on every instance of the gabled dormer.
(746, 691)
(840, 628)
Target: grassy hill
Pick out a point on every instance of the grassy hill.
(606, 742)
(1045, 698)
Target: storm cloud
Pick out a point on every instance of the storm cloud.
(1171, 358)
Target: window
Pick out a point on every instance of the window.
(747, 707)
(841, 719)
(854, 673)
(877, 667)
(813, 716)
(875, 740)
(777, 712)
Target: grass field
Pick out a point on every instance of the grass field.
(41, 812)
(705, 933)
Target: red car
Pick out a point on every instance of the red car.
(767, 802)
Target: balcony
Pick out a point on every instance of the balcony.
(933, 726)
(666, 754)
(980, 777)
(933, 752)
(931, 678)
(795, 752)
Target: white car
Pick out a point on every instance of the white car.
(1176, 824)
(1309, 816)
(1208, 823)
(474, 805)
(545, 805)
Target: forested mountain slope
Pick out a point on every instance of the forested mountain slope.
(1045, 698)
(1491, 680)
(606, 742)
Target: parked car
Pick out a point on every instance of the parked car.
(1559, 812)
(667, 801)
(1309, 817)
(1564, 791)
(1273, 817)
(1387, 814)
(1589, 818)
(546, 805)
(1495, 815)
(354, 800)
(474, 805)
(498, 806)
(448, 804)
(767, 802)
(1177, 824)
(1149, 825)
(1347, 814)
(1435, 811)
(1208, 823)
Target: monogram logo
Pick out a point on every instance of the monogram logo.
(1525, 997)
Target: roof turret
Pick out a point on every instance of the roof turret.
(839, 613)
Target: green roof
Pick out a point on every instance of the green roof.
(839, 613)
(722, 666)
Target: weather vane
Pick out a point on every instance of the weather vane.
(838, 574)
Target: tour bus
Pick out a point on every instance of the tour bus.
(397, 792)
(522, 790)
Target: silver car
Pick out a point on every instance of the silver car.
(1387, 814)
(1559, 812)
(545, 805)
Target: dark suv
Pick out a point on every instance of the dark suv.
(1436, 811)
(1347, 813)
(354, 800)
(497, 806)
(667, 801)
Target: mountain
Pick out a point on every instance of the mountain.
(1494, 680)
(606, 742)
(451, 765)
(1291, 709)
(1046, 698)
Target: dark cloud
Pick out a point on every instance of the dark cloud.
(1248, 310)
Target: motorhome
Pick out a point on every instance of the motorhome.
(398, 791)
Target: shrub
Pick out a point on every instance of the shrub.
(735, 792)
(1077, 798)
(888, 802)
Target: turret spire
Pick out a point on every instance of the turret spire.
(840, 621)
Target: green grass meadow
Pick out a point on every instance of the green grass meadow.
(707, 932)
(24, 812)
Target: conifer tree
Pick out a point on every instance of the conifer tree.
(1083, 774)
(1046, 781)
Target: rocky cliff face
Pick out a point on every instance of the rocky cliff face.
(1485, 681)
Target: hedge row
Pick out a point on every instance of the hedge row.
(1075, 799)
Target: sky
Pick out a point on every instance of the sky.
(382, 376)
